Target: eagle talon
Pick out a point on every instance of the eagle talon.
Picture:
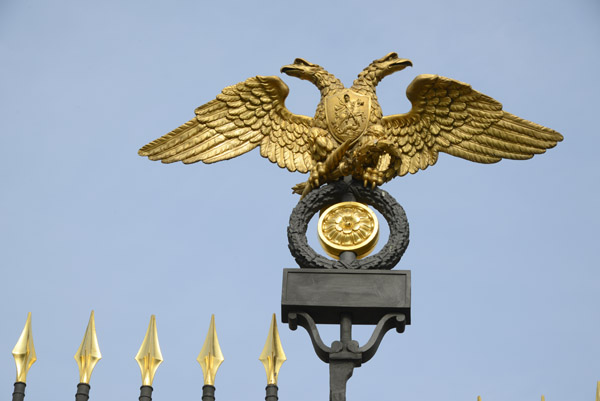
(317, 173)
(373, 177)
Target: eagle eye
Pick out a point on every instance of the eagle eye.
(301, 61)
(391, 56)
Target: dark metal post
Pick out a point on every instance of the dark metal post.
(208, 393)
(271, 390)
(339, 373)
(347, 257)
(83, 392)
(345, 328)
(340, 370)
(19, 393)
(348, 197)
(146, 393)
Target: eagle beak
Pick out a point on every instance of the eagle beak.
(298, 69)
(295, 70)
(289, 69)
(400, 64)
(391, 65)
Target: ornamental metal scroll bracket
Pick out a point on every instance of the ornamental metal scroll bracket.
(346, 354)
(367, 351)
(302, 319)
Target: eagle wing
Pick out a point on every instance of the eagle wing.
(242, 117)
(449, 116)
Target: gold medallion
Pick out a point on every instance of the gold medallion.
(348, 226)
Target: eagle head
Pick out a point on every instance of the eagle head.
(303, 69)
(389, 64)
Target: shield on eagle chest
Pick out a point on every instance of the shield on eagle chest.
(347, 114)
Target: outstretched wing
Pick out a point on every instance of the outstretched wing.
(449, 116)
(242, 117)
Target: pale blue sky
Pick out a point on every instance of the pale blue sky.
(506, 284)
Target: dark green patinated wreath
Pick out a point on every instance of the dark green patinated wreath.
(348, 189)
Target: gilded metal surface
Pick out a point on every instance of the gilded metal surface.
(24, 351)
(598, 391)
(347, 114)
(210, 356)
(88, 354)
(446, 116)
(149, 355)
(272, 355)
(348, 226)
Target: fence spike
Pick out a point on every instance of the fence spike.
(272, 355)
(24, 351)
(149, 355)
(88, 354)
(210, 356)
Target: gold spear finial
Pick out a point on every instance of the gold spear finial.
(88, 354)
(598, 391)
(272, 355)
(543, 398)
(478, 398)
(210, 357)
(24, 351)
(149, 355)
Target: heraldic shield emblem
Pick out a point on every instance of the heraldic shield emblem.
(347, 114)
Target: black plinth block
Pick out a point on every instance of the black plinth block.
(367, 295)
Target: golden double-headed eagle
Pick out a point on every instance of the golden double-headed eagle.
(349, 134)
